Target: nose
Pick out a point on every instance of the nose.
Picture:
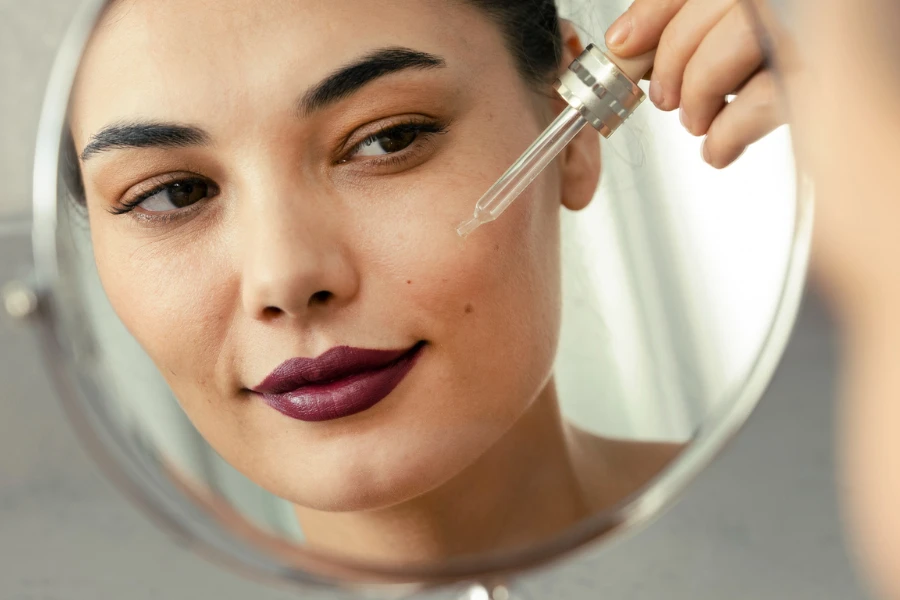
(294, 263)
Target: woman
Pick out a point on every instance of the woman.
(273, 195)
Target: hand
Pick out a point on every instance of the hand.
(706, 50)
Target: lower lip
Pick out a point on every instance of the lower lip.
(344, 397)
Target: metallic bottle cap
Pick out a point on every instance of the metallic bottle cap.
(594, 86)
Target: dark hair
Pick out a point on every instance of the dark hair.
(531, 29)
(532, 32)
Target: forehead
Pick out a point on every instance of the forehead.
(149, 58)
(231, 28)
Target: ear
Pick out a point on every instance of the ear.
(580, 161)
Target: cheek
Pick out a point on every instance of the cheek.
(503, 264)
(168, 298)
(514, 260)
(490, 304)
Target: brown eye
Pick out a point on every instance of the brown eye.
(179, 194)
(389, 142)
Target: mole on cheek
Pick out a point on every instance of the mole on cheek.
(409, 282)
(469, 309)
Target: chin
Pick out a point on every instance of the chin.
(371, 483)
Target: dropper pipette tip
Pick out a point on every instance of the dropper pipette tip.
(468, 227)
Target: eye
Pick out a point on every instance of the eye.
(172, 196)
(400, 141)
(169, 197)
(390, 141)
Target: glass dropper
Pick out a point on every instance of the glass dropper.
(525, 170)
(599, 93)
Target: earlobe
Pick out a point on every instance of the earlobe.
(581, 160)
(581, 170)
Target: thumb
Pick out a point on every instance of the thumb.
(641, 27)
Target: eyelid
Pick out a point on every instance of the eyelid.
(154, 185)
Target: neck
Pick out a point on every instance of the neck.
(524, 489)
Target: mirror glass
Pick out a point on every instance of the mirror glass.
(264, 321)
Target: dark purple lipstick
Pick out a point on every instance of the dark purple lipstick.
(342, 382)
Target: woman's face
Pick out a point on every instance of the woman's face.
(250, 204)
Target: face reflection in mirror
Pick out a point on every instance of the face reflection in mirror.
(264, 186)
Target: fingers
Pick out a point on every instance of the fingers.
(727, 57)
(754, 114)
(705, 51)
(679, 42)
(640, 28)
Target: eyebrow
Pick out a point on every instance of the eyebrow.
(144, 135)
(338, 86)
(349, 79)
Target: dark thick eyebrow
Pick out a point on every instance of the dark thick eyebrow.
(144, 135)
(351, 78)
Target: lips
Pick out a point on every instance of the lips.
(342, 382)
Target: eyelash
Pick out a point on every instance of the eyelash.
(424, 129)
(128, 206)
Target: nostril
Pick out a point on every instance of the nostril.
(320, 298)
(270, 312)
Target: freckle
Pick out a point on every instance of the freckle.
(497, 247)
(408, 281)
(469, 309)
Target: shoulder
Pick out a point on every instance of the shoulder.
(611, 469)
(642, 456)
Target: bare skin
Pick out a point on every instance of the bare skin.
(707, 50)
(856, 244)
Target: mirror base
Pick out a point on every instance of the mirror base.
(492, 592)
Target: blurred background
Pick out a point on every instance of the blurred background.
(763, 522)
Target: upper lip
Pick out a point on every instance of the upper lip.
(338, 363)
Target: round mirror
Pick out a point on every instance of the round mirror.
(263, 322)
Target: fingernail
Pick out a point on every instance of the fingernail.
(657, 95)
(619, 32)
(685, 121)
(706, 155)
